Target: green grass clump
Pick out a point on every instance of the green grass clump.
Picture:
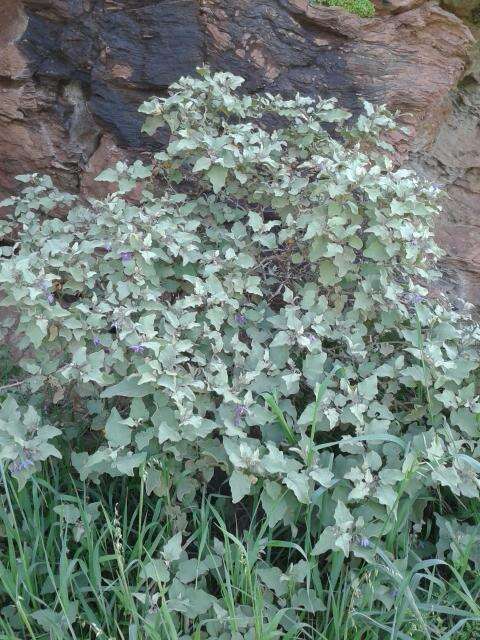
(362, 8)
(97, 562)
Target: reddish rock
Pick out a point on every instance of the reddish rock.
(396, 6)
(106, 155)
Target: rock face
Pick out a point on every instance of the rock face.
(453, 159)
(73, 72)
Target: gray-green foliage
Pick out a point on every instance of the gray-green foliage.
(260, 309)
(24, 439)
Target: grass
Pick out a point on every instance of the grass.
(362, 8)
(74, 561)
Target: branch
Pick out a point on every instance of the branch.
(13, 384)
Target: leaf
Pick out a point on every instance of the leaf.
(343, 517)
(240, 485)
(190, 570)
(202, 164)
(326, 541)
(173, 548)
(128, 388)
(375, 250)
(155, 570)
(193, 602)
(273, 503)
(139, 171)
(49, 620)
(314, 367)
(108, 175)
(272, 402)
(216, 315)
(126, 464)
(290, 383)
(342, 541)
(138, 410)
(69, 512)
(327, 273)
(277, 462)
(274, 579)
(298, 483)
(466, 420)
(446, 476)
(475, 464)
(217, 176)
(386, 495)
(322, 476)
(117, 430)
(308, 415)
(368, 387)
(307, 599)
(166, 433)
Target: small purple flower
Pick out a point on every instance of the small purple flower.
(51, 298)
(240, 319)
(20, 465)
(240, 412)
(137, 348)
(364, 542)
(126, 256)
(107, 246)
(415, 298)
(311, 338)
(96, 341)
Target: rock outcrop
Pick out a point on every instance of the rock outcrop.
(73, 72)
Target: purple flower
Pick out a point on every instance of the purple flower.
(51, 298)
(311, 338)
(415, 298)
(240, 319)
(240, 412)
(364, 542)
(137, 348)
(96, 341)
(107, 246)
(20, 465)
(126, 256)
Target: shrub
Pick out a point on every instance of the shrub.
(260, 312)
